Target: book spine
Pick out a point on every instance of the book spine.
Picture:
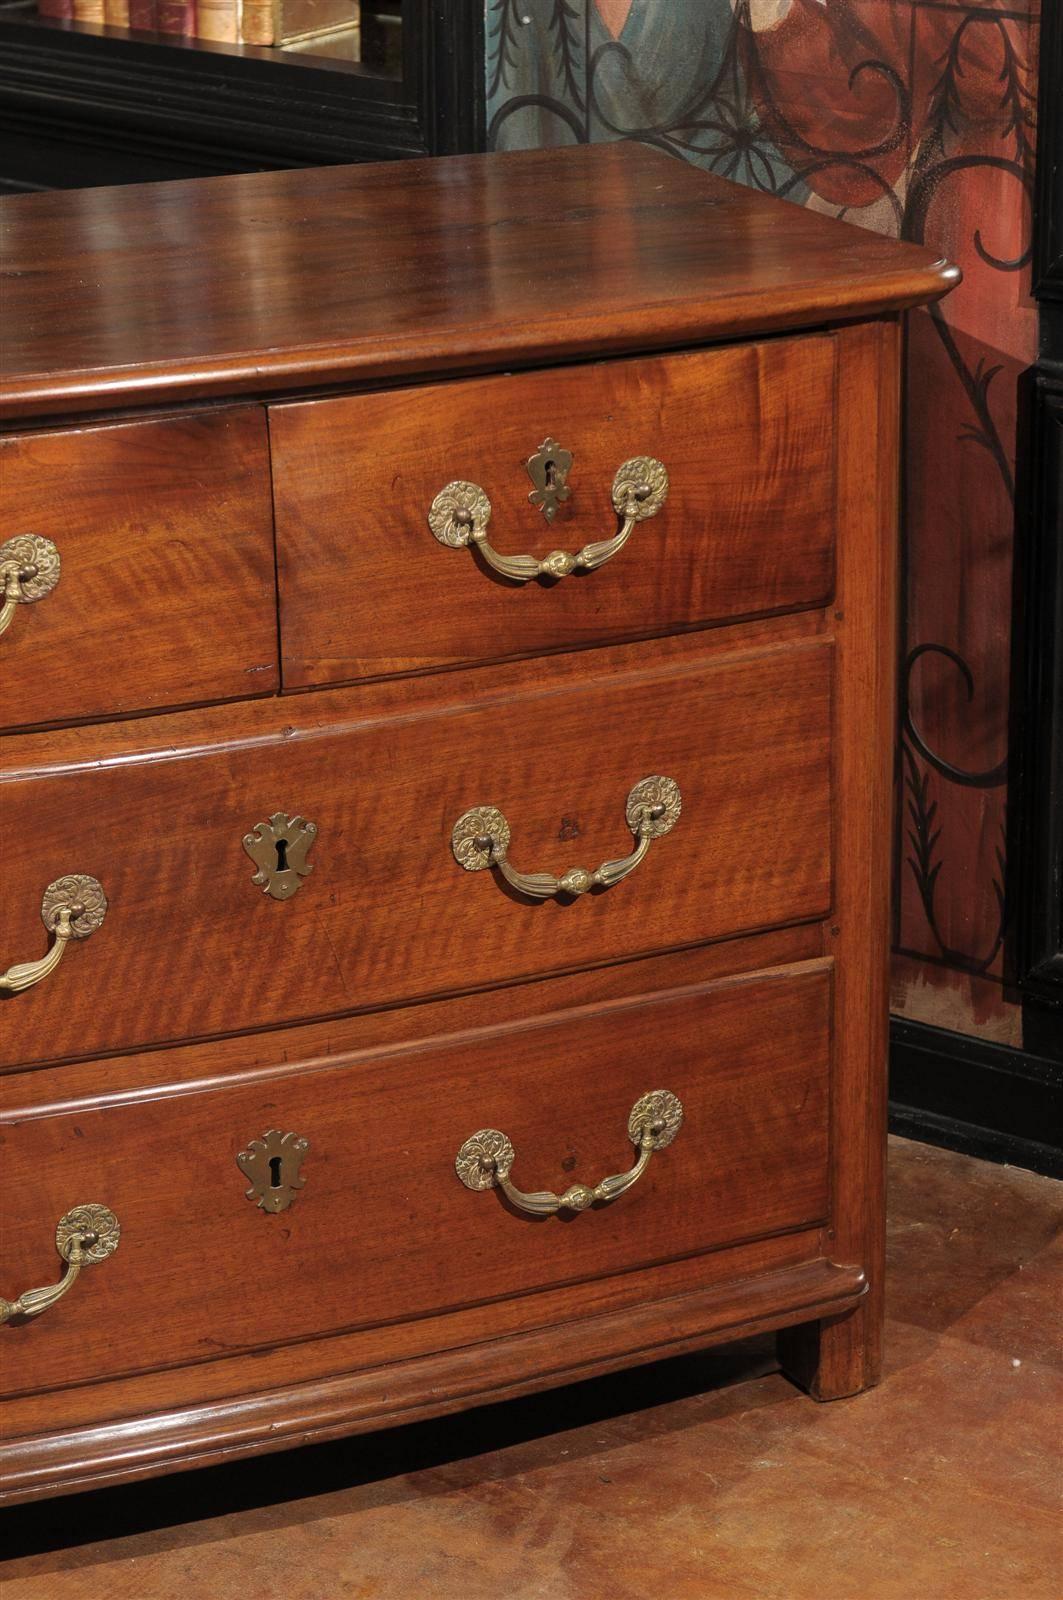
(116, 13)
(142, 15)
(62, 9)
(88, 10)
(256, 21)
(218, 20)
(176, 16)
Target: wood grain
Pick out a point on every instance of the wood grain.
(76, 1085)
(396, 1003)
(750, 1062)
(387, 915)
(229, 1378)
(290, 280)
(356, 1402)
(747, 436)
(166, 595)
(843, 1356)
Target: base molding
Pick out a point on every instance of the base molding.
(972, 1095)
(411, 1391)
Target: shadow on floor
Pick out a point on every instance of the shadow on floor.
(343, 1464)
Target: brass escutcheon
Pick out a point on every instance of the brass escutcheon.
(548, 470)
(273, 1164)
(279, 849)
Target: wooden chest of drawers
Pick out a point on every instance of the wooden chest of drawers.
(447, 688)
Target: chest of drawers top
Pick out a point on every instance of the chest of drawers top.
(276, 282)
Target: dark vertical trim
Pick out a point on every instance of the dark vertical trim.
(1048, 204)
(456, 85)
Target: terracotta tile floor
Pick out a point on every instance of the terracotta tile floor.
(703, 1478)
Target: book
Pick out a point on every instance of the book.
(61, 9)
(88, 10)
(176, 16)
(256, 21)
(116, 13)
(313, 19)
(142, 15)
(218, 20)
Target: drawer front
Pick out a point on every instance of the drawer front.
(165, 593)
(746, 436)
(386, 913)
(378, 1228)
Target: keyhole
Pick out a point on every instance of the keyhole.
(282, 855)
(275, 1172)
(550, 469)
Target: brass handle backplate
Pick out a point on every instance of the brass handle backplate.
(29, 569)
(84, 1235)
(72, 908)
(480, 838)
(459, 515)
(486, 1159)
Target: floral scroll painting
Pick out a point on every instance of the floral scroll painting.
(914, 118)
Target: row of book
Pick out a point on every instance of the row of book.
(263, 22)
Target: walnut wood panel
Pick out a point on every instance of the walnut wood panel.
(232, 1377)
(166, 594)
(294, 279)
(387, 914)
(749, 1060)
(747, 436)
(844, 1355)
(47, 1431)
(141, 1074)
(352, 1402)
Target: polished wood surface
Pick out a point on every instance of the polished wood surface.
(447, 1381)
(741, 643)
(841, 1357)
(747, 437)
(750, 1160)
(166, 594)
(290, 280)
(79, 1083)
(385, 771)
(705, 1478)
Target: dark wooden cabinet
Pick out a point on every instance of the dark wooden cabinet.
(82, 105)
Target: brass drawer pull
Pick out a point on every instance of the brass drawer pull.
(460, 513)
(480, 839)
(29, 569)
(486, 1159)
(72, 908)
(86, 1234)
